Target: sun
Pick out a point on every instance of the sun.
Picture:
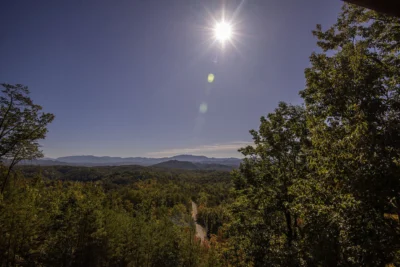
(223, 31)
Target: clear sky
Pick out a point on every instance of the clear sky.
(127, 78)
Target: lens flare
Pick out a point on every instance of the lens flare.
(210, 78)
(203, 108)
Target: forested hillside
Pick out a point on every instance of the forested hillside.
(319, 186)
(73, 216)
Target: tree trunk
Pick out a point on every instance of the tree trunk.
(289, 228)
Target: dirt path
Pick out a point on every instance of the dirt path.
(200, 232)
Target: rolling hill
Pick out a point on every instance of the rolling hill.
(187, 165)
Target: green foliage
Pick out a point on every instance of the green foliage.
(213, 218)
(79, 216)
(265, 215)
(80, 224)
(353, 115)
(22, 124)
(320, 186)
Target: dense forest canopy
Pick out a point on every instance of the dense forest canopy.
(319, 186)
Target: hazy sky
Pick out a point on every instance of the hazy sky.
(127, 78)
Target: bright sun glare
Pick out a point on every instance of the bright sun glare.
(223, 31)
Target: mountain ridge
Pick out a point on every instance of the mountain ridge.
(90, 160)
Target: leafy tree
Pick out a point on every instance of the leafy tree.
(266, 220)
(353, 115)
(22, 124)
(336, 203)
(212, 218)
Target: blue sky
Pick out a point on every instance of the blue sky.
(127, 78)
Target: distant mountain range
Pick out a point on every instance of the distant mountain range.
(199, 162)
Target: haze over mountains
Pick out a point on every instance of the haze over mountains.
(89, 160)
